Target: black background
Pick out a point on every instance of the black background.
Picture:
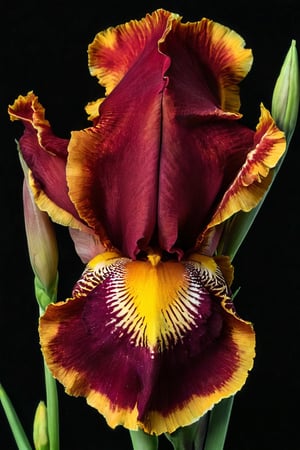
(44, 48)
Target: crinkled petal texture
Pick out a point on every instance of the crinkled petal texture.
(150, 344)
(166, 143)
(166, 157)
(46, 156)
(151, 338)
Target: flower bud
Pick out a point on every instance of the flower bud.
(40, 428)
(285, 106)
(285, 101)
(42, 245)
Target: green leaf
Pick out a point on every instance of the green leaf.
(235, 231)
(14, 422)
(143, 441)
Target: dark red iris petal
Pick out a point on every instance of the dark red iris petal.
(88, 342)
(162, 152)
(45, 154)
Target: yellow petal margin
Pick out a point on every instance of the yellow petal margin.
(256, 174)
(42, 148)
(224, 52)
(115, 49)
(152, 345)
(57, 214)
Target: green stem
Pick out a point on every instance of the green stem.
(52, 409)
(143, 441)
(14, 422)
(52, 406)
(191, 437)
(218, 425)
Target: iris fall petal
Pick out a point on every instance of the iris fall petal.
(150, 344)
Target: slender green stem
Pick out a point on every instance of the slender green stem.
(191, 437)
(52, 406)
(14, 422)
(52, 409)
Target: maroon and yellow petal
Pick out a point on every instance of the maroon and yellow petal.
(209, 60)
(162, 151)
(150, 344)
(92, 108)
(256, 174)
(217, 47)
(112, 168)
(115, 51)
(46, 156)
(203, 146)
(228, 59)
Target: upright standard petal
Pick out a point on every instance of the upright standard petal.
(162, 151)
(115, 51)
(168, 330)
(113, 167)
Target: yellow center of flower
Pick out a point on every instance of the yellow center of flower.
(154, 302)
(158, 291)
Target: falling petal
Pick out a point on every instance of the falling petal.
(167, 329)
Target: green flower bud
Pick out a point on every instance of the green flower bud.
(285, 106)
(285, 101)
(40, 428)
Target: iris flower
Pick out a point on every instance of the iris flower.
(150, 335)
